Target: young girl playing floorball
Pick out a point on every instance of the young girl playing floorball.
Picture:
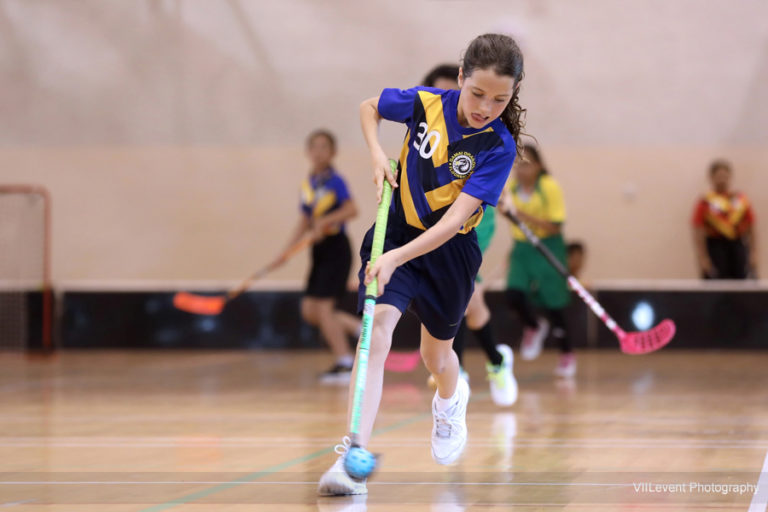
(456, 158)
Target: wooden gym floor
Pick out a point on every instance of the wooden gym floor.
(245, 431)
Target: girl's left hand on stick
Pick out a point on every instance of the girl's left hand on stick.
(381, 172)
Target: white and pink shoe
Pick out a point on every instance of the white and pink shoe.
(533, 340)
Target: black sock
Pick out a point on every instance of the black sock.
(560, 330)
(485, 336)
(458, 342)
(520, 303)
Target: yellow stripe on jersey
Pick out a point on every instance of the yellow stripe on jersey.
(472, 222)
(411, 215)
(545, 202)
(324, 204)
(447, 194)
(444, 195)
(307, 192)
(433, 109)
(489, 129)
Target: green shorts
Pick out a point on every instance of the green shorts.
(532, 274)
(485, 231)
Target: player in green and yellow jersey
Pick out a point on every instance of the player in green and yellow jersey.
(532, 283)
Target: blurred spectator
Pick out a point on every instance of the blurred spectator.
(576, 255)
(723, 229)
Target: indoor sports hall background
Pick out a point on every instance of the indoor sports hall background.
(167, 140)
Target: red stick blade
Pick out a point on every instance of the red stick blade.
(199, 304)
(402, 362)
(648, 341)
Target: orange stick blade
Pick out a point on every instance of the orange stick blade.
(199, 304)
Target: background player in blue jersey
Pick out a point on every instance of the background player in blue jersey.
(456, 158)
(478, 317)
(326, 205)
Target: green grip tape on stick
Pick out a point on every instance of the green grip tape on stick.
(380, 229)
(371, 291)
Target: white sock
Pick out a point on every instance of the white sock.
(443, 404)
(346, 361)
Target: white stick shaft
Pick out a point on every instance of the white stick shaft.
(594, 305)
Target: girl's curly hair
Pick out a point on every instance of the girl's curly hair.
(502, 54)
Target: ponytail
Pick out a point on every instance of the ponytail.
(513, 118)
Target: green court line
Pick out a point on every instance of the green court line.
(204, 493)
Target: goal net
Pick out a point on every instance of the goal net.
(25, 293)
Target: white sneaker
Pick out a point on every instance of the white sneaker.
(501, 378)
(449, 428)
(336, 481)
(533, 339)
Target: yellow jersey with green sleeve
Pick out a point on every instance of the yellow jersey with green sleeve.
(322, 193)
(545, 202)
(440, 158)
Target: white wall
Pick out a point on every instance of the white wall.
(170, 132)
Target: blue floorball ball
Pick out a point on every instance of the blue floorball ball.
(359, 463)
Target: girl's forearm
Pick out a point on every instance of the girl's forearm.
(445, 229)
(369, 121)
(428, 241)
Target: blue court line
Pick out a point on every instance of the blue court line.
(204, 493)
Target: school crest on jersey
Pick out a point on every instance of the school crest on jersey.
(461, 164)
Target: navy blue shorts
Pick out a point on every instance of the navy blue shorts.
(331, 261)
(436, 286)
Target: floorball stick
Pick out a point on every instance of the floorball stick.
(359, 462)
(641, 342)
(214, 304)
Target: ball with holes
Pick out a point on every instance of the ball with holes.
(359, 463)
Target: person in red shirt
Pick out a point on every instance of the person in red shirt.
(723, 226)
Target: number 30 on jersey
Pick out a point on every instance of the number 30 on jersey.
(426, 138)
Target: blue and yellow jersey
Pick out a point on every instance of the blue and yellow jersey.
(323, 193)
(545, 202)
(440, 158)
